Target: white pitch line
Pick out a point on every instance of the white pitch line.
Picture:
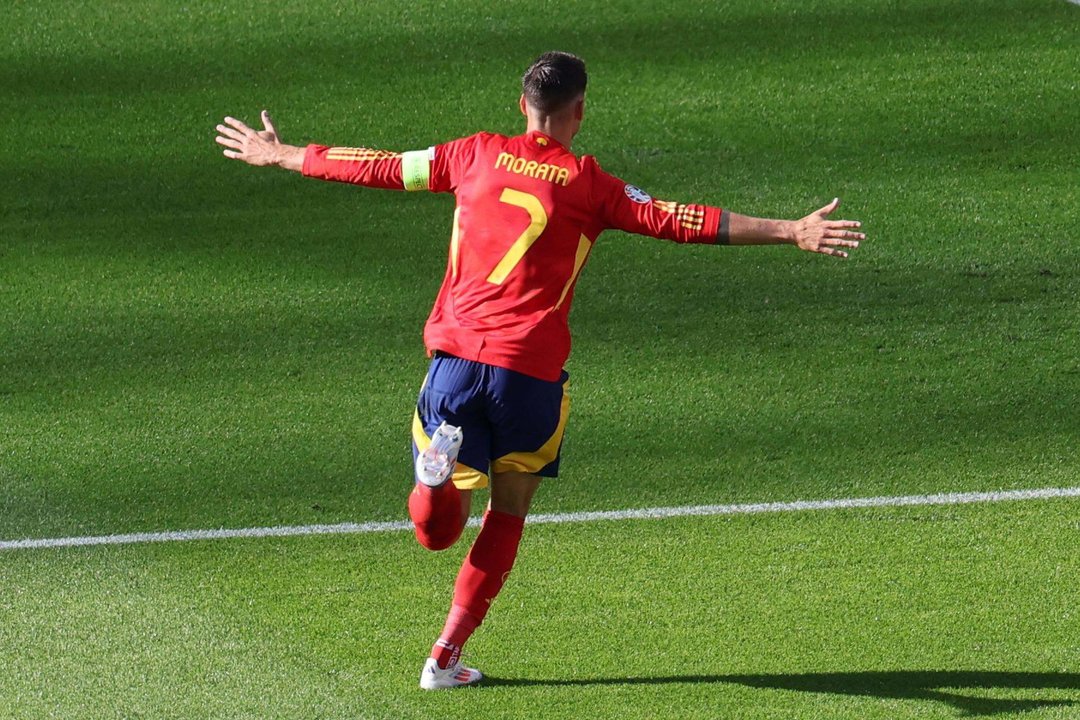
(554, 518)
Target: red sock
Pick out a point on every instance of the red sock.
(482, 575)
(459, 626)
(436, 515)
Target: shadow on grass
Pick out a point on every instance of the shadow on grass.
(86, 67)
(954, 687)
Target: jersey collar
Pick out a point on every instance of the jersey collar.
(543, 140)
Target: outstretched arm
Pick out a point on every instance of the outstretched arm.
(813, 233)
(629, 208)
(258, 147)
(355, 165)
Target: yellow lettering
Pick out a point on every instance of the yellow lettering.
(532, 168)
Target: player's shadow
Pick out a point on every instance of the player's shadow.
(963, 690)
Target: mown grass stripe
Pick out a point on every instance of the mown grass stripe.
(655, 513)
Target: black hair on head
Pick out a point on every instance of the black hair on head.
(554, 81)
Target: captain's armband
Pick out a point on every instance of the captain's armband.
(416, 169)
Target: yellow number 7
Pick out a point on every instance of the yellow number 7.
(538, 221)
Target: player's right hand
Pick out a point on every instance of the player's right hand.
(255, 147)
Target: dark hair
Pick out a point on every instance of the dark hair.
(553, 81)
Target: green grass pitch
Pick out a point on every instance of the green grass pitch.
(190, 343)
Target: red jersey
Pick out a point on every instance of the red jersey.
(528, 213)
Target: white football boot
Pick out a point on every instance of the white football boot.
(435, 465)
(433, 677)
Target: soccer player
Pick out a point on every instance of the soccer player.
(494, 404)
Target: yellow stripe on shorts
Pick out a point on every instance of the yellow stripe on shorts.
(533, 462)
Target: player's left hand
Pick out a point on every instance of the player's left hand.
(817, 233)
(255, 147)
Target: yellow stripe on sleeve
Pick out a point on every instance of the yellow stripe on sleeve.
(358, 154)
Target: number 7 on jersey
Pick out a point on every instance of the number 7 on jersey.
(538, 221)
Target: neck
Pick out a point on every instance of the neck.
(555, 128)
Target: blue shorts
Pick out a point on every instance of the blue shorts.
(510, 421)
